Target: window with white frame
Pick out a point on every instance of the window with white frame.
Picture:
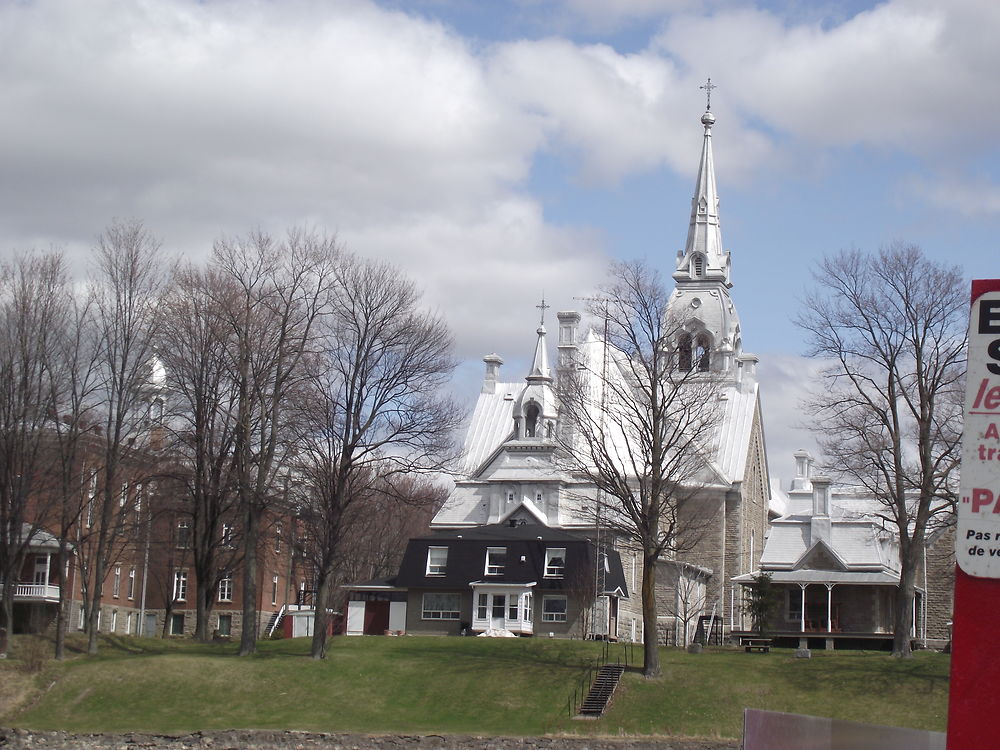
(180, 585)
(227, 535)
(226, 588)
(225, 627)
(277, 538)
(137, 505)
(274, 590)
(496, 558)
(116, 583)
(441, 606)
(82, 620)
(482, 606)
(130, 590)
(183, 535)
(128, 623)
(553, 609)
(437, 561)
(114, 621)
(177, 624)
(92, 501)
(527, 607)
(555, 562)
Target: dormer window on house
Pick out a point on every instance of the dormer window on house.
(555, 562)
(531, 420)
(437, 561)
(496, 558)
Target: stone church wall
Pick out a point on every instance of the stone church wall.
(940, 587)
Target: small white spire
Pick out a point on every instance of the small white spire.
(540, 362)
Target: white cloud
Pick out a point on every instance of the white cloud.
(785, 380)
(903, 75)
(971, 197)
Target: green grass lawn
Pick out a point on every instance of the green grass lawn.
(464, 685)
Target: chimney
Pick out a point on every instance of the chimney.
(803, 470)
(819, 525)
(569, 323)
(746, 370)
(493, 362)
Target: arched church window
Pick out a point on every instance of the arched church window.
(684, 344)
(702, 353)
(531, 420)
(698, 266)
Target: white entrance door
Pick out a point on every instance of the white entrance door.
(498, 611)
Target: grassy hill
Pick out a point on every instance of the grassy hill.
(458, 685)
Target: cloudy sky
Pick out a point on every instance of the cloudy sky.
(500, 150)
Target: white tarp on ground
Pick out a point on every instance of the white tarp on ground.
(497, 633)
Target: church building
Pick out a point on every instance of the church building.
(513, 474)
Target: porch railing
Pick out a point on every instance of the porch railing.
(48, 592)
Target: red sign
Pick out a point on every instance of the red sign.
(974, 700)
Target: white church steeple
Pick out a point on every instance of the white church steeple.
(710, 338)
(703, 256)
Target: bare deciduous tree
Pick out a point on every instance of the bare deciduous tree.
(892, 327)
(641, 428)
(125, 293)
(374, 411)
(196, 342)
(281, 289)
(32, 312)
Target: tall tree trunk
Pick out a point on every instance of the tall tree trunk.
(65, 597)
(7, 626)
(93, 614)
(650, 646)
(903, 615)
(318, 650)
(248, 636)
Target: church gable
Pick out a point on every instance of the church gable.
(525, 513)
(820, 557)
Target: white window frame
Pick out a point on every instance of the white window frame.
(114, 621)
(218, 625)
(274, 590)
(180, 585)
(227, 535)
(492, 568)
(553, 553)
(552, 616)
(116, 583)
(130, 588)
(482, 606)
(226, 588)
(437, 567)
(183, 535)
(454, 612)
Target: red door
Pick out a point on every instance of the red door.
(376, 618)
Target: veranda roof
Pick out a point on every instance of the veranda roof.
(823, 576)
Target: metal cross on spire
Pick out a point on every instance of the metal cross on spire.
(708, 92)
(543, 307)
